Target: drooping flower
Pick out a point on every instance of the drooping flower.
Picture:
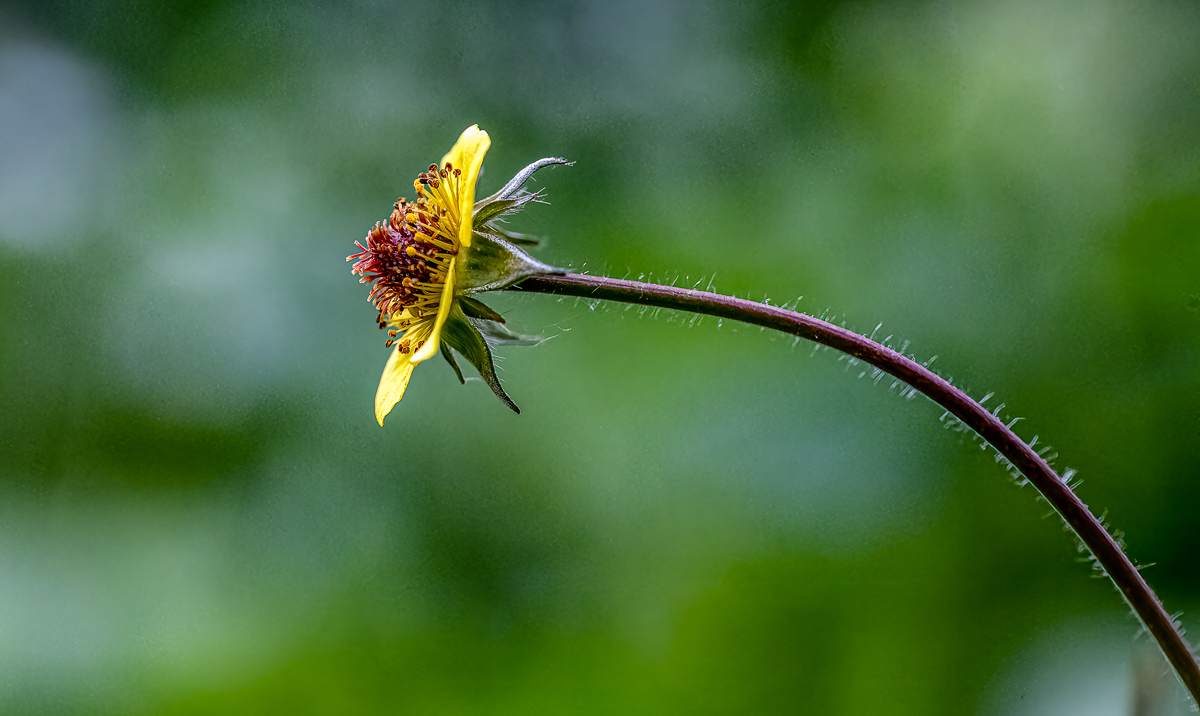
(433, 254)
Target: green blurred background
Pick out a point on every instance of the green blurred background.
(198, 513)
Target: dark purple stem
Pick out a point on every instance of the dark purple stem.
(1091, 532)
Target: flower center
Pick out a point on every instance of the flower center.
(408, 259)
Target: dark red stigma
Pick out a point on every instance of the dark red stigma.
(386, 260)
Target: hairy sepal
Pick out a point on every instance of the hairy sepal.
(502, 207)
(498, 334)
(474, 308)
(462, 335)
(449, 356)
(514, 185)
(494, 263)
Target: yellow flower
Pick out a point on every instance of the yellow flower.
(422, 268)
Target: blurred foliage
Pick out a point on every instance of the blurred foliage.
(198, 513)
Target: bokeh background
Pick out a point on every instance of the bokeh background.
(198, 513)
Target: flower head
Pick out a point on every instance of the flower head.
(423, 267)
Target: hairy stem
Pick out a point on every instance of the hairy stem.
(1075, 513)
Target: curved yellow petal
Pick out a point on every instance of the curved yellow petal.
(396, 373)
(432, 343)
(467, 155)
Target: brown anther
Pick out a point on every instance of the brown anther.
(388, 343)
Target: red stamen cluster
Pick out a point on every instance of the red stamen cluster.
(406, 260)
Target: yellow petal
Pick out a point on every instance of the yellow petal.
(435, 336)
(467, 155)
(396, 373)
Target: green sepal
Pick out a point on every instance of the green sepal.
(498, 334)
(493, 263)
(474, 308)
(449, 356)
(465, 338)
(514, 185)
(520, 239)
(496, 208)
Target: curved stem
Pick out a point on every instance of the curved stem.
(1108, 554)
